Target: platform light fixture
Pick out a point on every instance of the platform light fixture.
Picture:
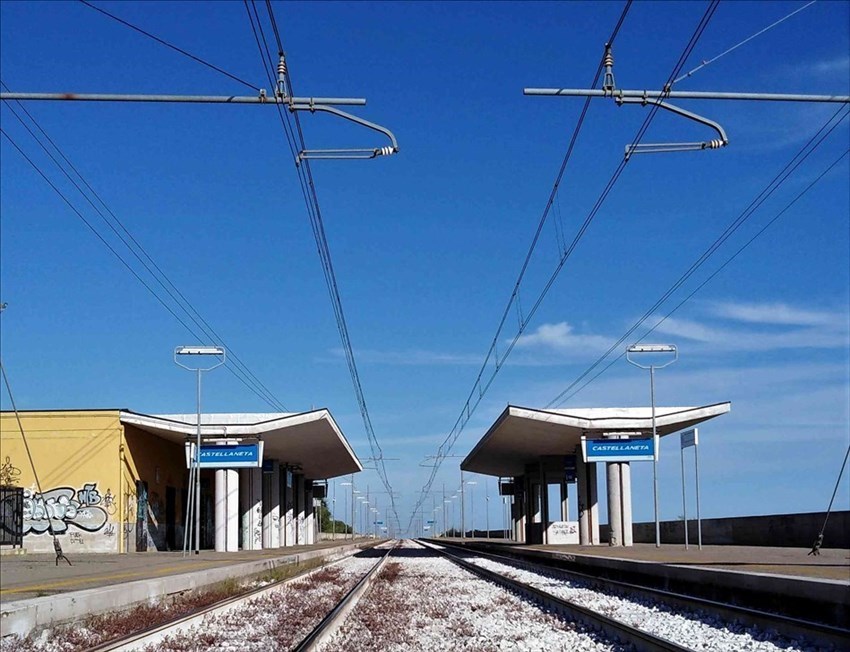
(654, 348)
(195, 487)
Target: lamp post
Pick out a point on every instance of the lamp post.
(472, 484)
(487, 522)
(654, 348)
(197, 350)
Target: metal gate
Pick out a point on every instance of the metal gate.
(11, 516)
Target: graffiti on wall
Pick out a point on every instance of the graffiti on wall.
(62, 507)
(9, 473)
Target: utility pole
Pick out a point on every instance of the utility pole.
(278, 98)
(659, 99)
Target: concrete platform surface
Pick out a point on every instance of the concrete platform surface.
(37, 575)
(831, 564)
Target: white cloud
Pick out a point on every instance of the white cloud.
(777, 313)
(561, 337)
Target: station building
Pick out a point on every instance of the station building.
(535, 449)
(117, 480)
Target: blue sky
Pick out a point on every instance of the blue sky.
(427, 245)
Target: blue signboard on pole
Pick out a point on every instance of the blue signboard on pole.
(618, 450)
(227, 456)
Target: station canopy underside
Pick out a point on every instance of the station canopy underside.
(311, 441)
(521, 436)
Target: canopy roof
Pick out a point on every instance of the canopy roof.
(521, 436)
(309, 440)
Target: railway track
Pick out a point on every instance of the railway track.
(170, 634)
(527, 578)
(422, 596)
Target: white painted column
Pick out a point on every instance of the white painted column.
(593, 504)
(251, 504)
(271, 507)
(583, 512)
(226, 510)
(565, 501)
(289, 515)
(299, 509)
(615, 518)
(232, 510)
(310, 518)
(220, 510)
(626, 496)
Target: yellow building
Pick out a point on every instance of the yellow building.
(117, 480)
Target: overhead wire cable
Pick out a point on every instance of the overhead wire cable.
(469, 408)
(244, 375)
(316, 222)
(336, 299)
(802, 154)
(253, 383)
(746, 40)
(170, 45)
(701, 285)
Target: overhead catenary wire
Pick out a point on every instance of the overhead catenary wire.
(295, 138)
(746, 40)
(788, 169)
(57, 546)
(472, 401)
(169, 45)
(242, 372)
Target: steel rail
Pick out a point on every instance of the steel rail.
(684, 95)
(154, 634)
(271, 100)
(788, 626)
(334, 619)
(613, 629)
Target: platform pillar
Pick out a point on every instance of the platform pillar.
(287, 521)
(251, 504)
(226, 510)
(626, 496)
(565, 501)
(588, 507)
(593, 504)
(615, 518)
(299, 509)
(271, 507)
(310, 517)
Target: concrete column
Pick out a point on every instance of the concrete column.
(565, 501)
(626, 496)
(310, 518)
(593, 504)
(299, 509)
(251, 503)
(226, 510)
(583, 514)
(287, 521)
(271, 507)
(518, 509)
(220, 510)
(615, 518)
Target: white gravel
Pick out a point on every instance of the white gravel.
(423, 602)
(277, 620)
(697, 631)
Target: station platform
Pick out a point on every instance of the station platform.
(35, 591)
(786, 580)
(830, 564)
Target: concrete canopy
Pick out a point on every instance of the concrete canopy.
(309, 440)
(521, 436)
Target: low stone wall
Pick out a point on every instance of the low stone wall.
(783, 530)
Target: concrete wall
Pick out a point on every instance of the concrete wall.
(783, 530)
(76, 456)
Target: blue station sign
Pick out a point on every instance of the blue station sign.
(618, 450)
(227, 456)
